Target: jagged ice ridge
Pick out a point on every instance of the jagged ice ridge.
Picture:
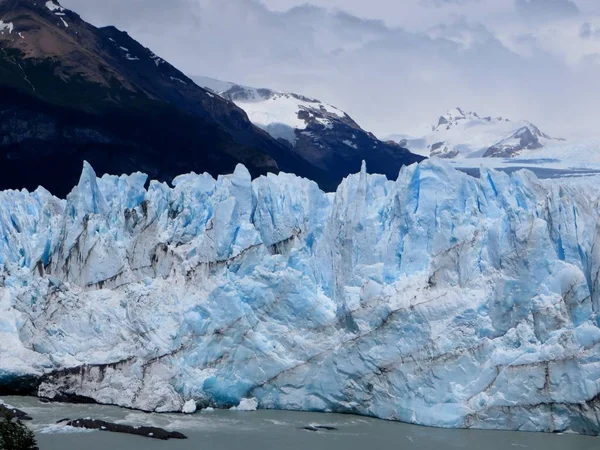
(437, 299)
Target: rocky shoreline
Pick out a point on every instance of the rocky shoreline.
(12, 413)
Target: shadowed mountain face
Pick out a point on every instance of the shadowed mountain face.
(319, 133)
(71, 92)
(525, 138)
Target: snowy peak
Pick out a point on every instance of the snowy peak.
(278, 113)
(466, 134)
(456, 116)
(525, 138)
(16, 15)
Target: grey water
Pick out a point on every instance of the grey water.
(540, 172)
(278, 430)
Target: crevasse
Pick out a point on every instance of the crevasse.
(437, 299)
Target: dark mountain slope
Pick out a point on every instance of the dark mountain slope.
(70, 91)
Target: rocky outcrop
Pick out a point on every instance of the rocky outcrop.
(149, 432)
(523, 139)
(441, 150)
(9, 412)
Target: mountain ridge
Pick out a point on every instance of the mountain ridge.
(320, 133)
(465, 134)
(74, 92)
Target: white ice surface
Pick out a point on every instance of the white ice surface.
(189, 407)
(278, 113)
(54, 7)
(437, 299)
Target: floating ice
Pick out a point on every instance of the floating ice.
(189, 407)
(246, 404)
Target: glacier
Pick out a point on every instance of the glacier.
(436, 299)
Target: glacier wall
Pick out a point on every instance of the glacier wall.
(437, 299)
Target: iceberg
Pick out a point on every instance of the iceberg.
(246, 404)
(437, 299)
(189, 407)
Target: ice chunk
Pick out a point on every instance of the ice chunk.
(246, 404)
(189, 407)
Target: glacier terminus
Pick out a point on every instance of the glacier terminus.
(437, 299)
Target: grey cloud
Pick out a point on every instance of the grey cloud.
(389, 79)
(441, 3)
(546, 9)
(588, 31)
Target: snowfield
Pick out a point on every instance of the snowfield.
(437, 299)
(278, 113)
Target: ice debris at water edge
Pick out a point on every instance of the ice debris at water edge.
(436, 299)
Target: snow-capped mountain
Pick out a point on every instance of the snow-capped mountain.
(528, 137)
(281, 114)
(438, 298)
(318, 132)
(461, 134)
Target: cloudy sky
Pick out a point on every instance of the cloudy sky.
(394, 65)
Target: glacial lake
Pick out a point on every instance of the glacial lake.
(277, 430)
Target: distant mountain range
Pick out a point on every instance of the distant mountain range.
(71, 92)
(320, 133)
(460, 134)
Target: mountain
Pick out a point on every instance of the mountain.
(70, 91)
(321, 134)
(460, 134)
(438, 299)
(528, 137)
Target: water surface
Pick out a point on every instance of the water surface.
(277, 430)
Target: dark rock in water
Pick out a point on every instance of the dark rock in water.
(13, 413)
(68, 398)
(319, 428)
(151, 432)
